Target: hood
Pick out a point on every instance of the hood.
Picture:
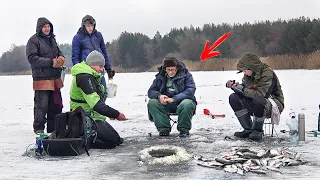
(249, 61)
(41, 22)
(82, 29)
(84, 68)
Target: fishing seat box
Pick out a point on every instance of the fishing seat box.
(64, 147)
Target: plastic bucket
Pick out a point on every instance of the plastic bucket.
(111, 90)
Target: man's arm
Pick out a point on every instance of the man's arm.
(76, 52)
(87, 84)
(188, 93)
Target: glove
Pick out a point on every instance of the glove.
(230, 83)
(110, 73)
(121, 117)
(58, 62)
(238, 89)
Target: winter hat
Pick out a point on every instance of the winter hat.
(169, 62)
(95, 58)
(88, 20)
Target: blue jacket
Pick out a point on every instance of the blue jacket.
(183, 84)
(83, 44)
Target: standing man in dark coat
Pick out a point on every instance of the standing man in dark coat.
(46, 61)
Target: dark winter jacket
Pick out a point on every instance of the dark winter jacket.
(263, 83)
(183, 84)
(40, 51)
(83, 43)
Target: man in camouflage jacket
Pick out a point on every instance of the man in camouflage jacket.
(252, 97)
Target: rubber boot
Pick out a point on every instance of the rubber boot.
(257, 129)
(244, 119)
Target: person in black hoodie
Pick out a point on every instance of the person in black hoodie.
(46, 61)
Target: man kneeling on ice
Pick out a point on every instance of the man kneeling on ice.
(259, 95)
(88, 92)
(172, 91)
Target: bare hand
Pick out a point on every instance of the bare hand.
(162, 99)
(121, 117)
(169, 100)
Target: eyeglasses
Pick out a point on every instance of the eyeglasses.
(171, 70)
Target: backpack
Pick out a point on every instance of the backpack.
(73, 134)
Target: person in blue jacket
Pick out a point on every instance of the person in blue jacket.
(87, 40)
(172, 91)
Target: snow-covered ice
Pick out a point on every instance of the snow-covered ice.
(301, 92)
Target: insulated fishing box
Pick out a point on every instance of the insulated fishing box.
(71, 138)
(64, 147)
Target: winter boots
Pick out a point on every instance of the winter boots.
(245, 121)
(257, 129)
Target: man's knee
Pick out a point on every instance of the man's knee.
(258, 106)
(234, 99)
(187, 103)
(153, 102)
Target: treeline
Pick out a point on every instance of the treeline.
(138, 51)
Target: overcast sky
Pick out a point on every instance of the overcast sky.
(19, 17)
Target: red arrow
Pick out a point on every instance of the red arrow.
(207, 51)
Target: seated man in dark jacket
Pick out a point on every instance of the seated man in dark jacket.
(172, 91)
(259, 95)
(88, 92)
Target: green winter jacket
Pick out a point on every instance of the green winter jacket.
(87, 91)
(263, 82)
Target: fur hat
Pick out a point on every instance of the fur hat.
(95, 58)
(169, 62)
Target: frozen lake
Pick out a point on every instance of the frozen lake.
(301, 93)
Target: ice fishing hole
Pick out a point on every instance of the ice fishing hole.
(160, 153)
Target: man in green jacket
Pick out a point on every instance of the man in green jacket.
(259, 95)
(88, 92)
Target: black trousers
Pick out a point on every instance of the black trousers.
(107, 136)
(45, 110)
(255, 106)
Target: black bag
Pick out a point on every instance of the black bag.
(72, 137)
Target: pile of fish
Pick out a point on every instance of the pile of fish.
(252, 159)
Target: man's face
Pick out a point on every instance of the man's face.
(171, 71)
(98, 69)
(248, 72)
(46, 29)
(89, 28)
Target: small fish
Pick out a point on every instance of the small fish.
(238, 160)
(274, 169)
(231, 168)
(209, 164)
(271, 162)
(296, 163)
(249, 155)
(197, 157)
(246, 168)
(264, 161)
(297, 156)
(223, 161)
(277, 165)
(256, 162)
(259, 171)
(254, 167)
(278, 157)
(239, 165)
(273, 153)
(240, 171)
(262, 153)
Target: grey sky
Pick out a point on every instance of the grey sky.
(19, 17)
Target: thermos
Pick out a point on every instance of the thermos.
(301, 130)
